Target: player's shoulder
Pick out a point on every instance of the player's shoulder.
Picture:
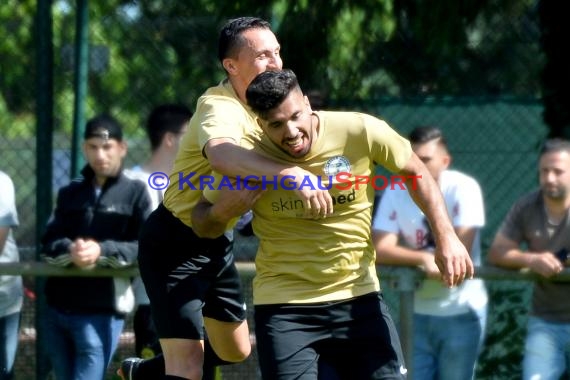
(352, 123)
(222, 105)
(354, 118)
(223, 93)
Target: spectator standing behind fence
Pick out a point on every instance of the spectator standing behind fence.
(11, 288)
(165, 126)
(540, 221)
(318, 305)
(96, 221)
(449, 323)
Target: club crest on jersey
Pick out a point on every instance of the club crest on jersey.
(337, 164)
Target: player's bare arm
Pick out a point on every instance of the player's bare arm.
(212, 220)
(230, 159)
(451, 256)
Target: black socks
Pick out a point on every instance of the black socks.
(152, 369)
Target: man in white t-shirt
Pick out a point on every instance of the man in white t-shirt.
(449, 323)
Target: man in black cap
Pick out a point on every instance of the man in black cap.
(96, 222)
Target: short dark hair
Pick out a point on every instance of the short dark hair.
(166, 118)
(424, 134)
(553, 145)
(268, 90)
(231, 39)
(103, 126)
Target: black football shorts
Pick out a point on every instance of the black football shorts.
(187, 277)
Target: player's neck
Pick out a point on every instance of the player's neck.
(239, 88)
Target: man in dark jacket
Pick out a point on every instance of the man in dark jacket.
(96, 222)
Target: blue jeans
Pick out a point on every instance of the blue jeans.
(9, 329)
(81, 346)
(547, 350)
(446, 348)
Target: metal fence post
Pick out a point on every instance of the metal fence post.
(81, 72)
(44, 132)
(404, 280)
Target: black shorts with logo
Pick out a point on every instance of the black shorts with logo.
(349, 339)
(187, 277)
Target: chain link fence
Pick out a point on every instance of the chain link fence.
(494, 139)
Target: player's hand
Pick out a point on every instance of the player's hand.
(317, 202)
(453, 261)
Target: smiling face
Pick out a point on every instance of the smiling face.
(291, 126)
(258, 52)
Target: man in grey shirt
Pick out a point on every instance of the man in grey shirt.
(540, 220)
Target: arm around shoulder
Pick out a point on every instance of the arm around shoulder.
(211, 219)
(205, 223)
(228, 158)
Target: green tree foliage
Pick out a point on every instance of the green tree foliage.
(16, 62)
(17, 69)
(144, 53)
(151, 51)
(373, 48)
